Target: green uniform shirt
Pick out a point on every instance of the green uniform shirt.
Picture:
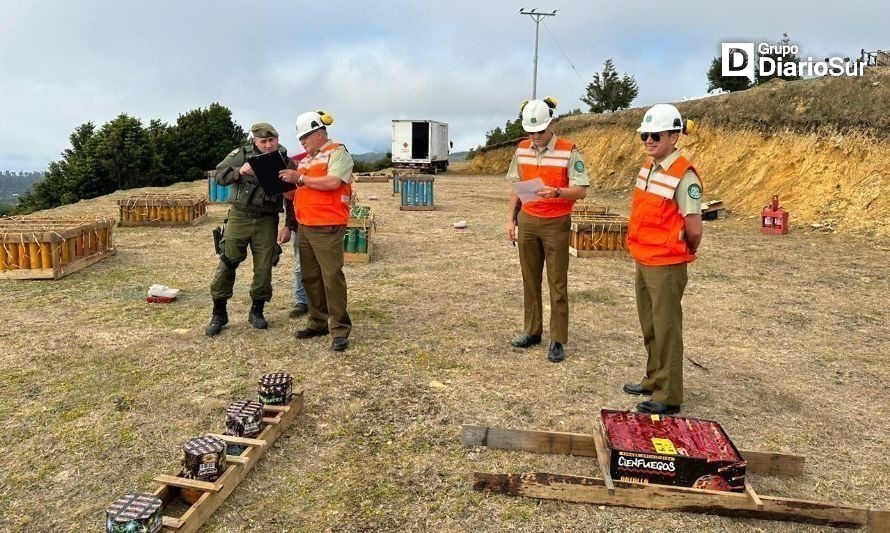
(688, 191)
(577, 169)
(249, 194)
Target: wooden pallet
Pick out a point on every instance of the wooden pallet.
(161, 224)
(276, 419)
(574, 252)
(605, 491)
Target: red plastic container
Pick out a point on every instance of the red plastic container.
(774, 218)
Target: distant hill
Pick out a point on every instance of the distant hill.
(458, 156)
(369, 157)
(13, 184)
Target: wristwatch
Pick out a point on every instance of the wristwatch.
(300, 182)
(558, 192)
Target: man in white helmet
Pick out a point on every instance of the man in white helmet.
(544, 224)
(664, 233)
(321, 203)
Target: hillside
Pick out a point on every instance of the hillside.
(816, 143)
(99, 389)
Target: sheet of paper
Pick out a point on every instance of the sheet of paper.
(526, 189)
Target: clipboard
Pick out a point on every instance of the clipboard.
(266, 167)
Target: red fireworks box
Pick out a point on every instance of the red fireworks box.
(672, 450)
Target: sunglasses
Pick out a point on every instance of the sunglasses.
(656, 137)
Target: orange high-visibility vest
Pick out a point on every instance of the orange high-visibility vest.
(553, 171)
(321, 208)
(655, 233)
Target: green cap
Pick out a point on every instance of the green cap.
(262, 130)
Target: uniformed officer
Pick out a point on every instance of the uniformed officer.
(664, 233)
(544, 224)
(322, 202)
(252, 220)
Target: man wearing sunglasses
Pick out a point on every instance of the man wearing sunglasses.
(664, 233)
(544, 224)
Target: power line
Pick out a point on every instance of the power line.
(563, 52)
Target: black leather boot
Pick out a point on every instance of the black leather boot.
(256, 317)
(219, 319)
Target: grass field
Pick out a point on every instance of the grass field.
(98, 389)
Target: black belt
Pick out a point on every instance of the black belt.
(256, 214)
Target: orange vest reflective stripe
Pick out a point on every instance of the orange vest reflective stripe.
(553, 171)
(655, 233)
(321, 208)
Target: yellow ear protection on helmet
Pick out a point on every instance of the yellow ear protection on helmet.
(550, 101)
(690, 126)
(326, 119)
(523, 104)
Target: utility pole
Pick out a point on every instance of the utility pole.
(537, 16)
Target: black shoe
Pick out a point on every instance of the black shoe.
(219, 319)
(255, 317)
(556, 354)
(309, 333)
(524, 340)
(339, 344)
(657, 408)
(299, 310)
(636, 390)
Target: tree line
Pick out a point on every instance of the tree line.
(610, 91)
(124, 154)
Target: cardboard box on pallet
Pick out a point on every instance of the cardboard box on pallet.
(672, 450)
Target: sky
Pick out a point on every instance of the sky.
(470, 64)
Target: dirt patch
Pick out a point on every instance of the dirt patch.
(99, 389)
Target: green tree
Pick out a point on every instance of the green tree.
(777, 56)
(610, 92)
(716, 80)
(203, 137)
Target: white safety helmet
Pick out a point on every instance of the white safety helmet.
(661, 117)
(537, 114)
(311, 121)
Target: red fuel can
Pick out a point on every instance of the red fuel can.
(774, 218)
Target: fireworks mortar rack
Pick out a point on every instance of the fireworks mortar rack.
(417, 192)
(602, 235)
(168, 209)
(371, 177)
(217, 193)
(606, 490)
(774, 218)
(49, 248)
(209, 472)
(357, 241)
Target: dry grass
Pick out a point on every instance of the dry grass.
(99, 389)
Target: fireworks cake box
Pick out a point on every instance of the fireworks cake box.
(275, 389)
(140, 512)
(672, 450)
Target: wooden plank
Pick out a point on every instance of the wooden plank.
(200, 511)
(276, 408)
(579, 489)
(755, 499)
(879, 520)
(358, 258)
(243, 441)
(603, 456)
(171, 523)
(236, 459)
(587, 254)
(160, 223)
(271, 420)
(417, 207)
(183, 483)
(768, 463)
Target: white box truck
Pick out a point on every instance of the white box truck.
(420, 144)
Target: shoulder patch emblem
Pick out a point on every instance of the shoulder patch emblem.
(233, 152)
(694, 191)
(579, 166)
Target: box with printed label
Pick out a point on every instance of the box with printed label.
(672, 450)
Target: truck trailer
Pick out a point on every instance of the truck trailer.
(420, 144)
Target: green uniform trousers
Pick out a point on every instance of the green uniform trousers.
(545, 240)
(260, 231)
(659, 290)
(321, 259)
